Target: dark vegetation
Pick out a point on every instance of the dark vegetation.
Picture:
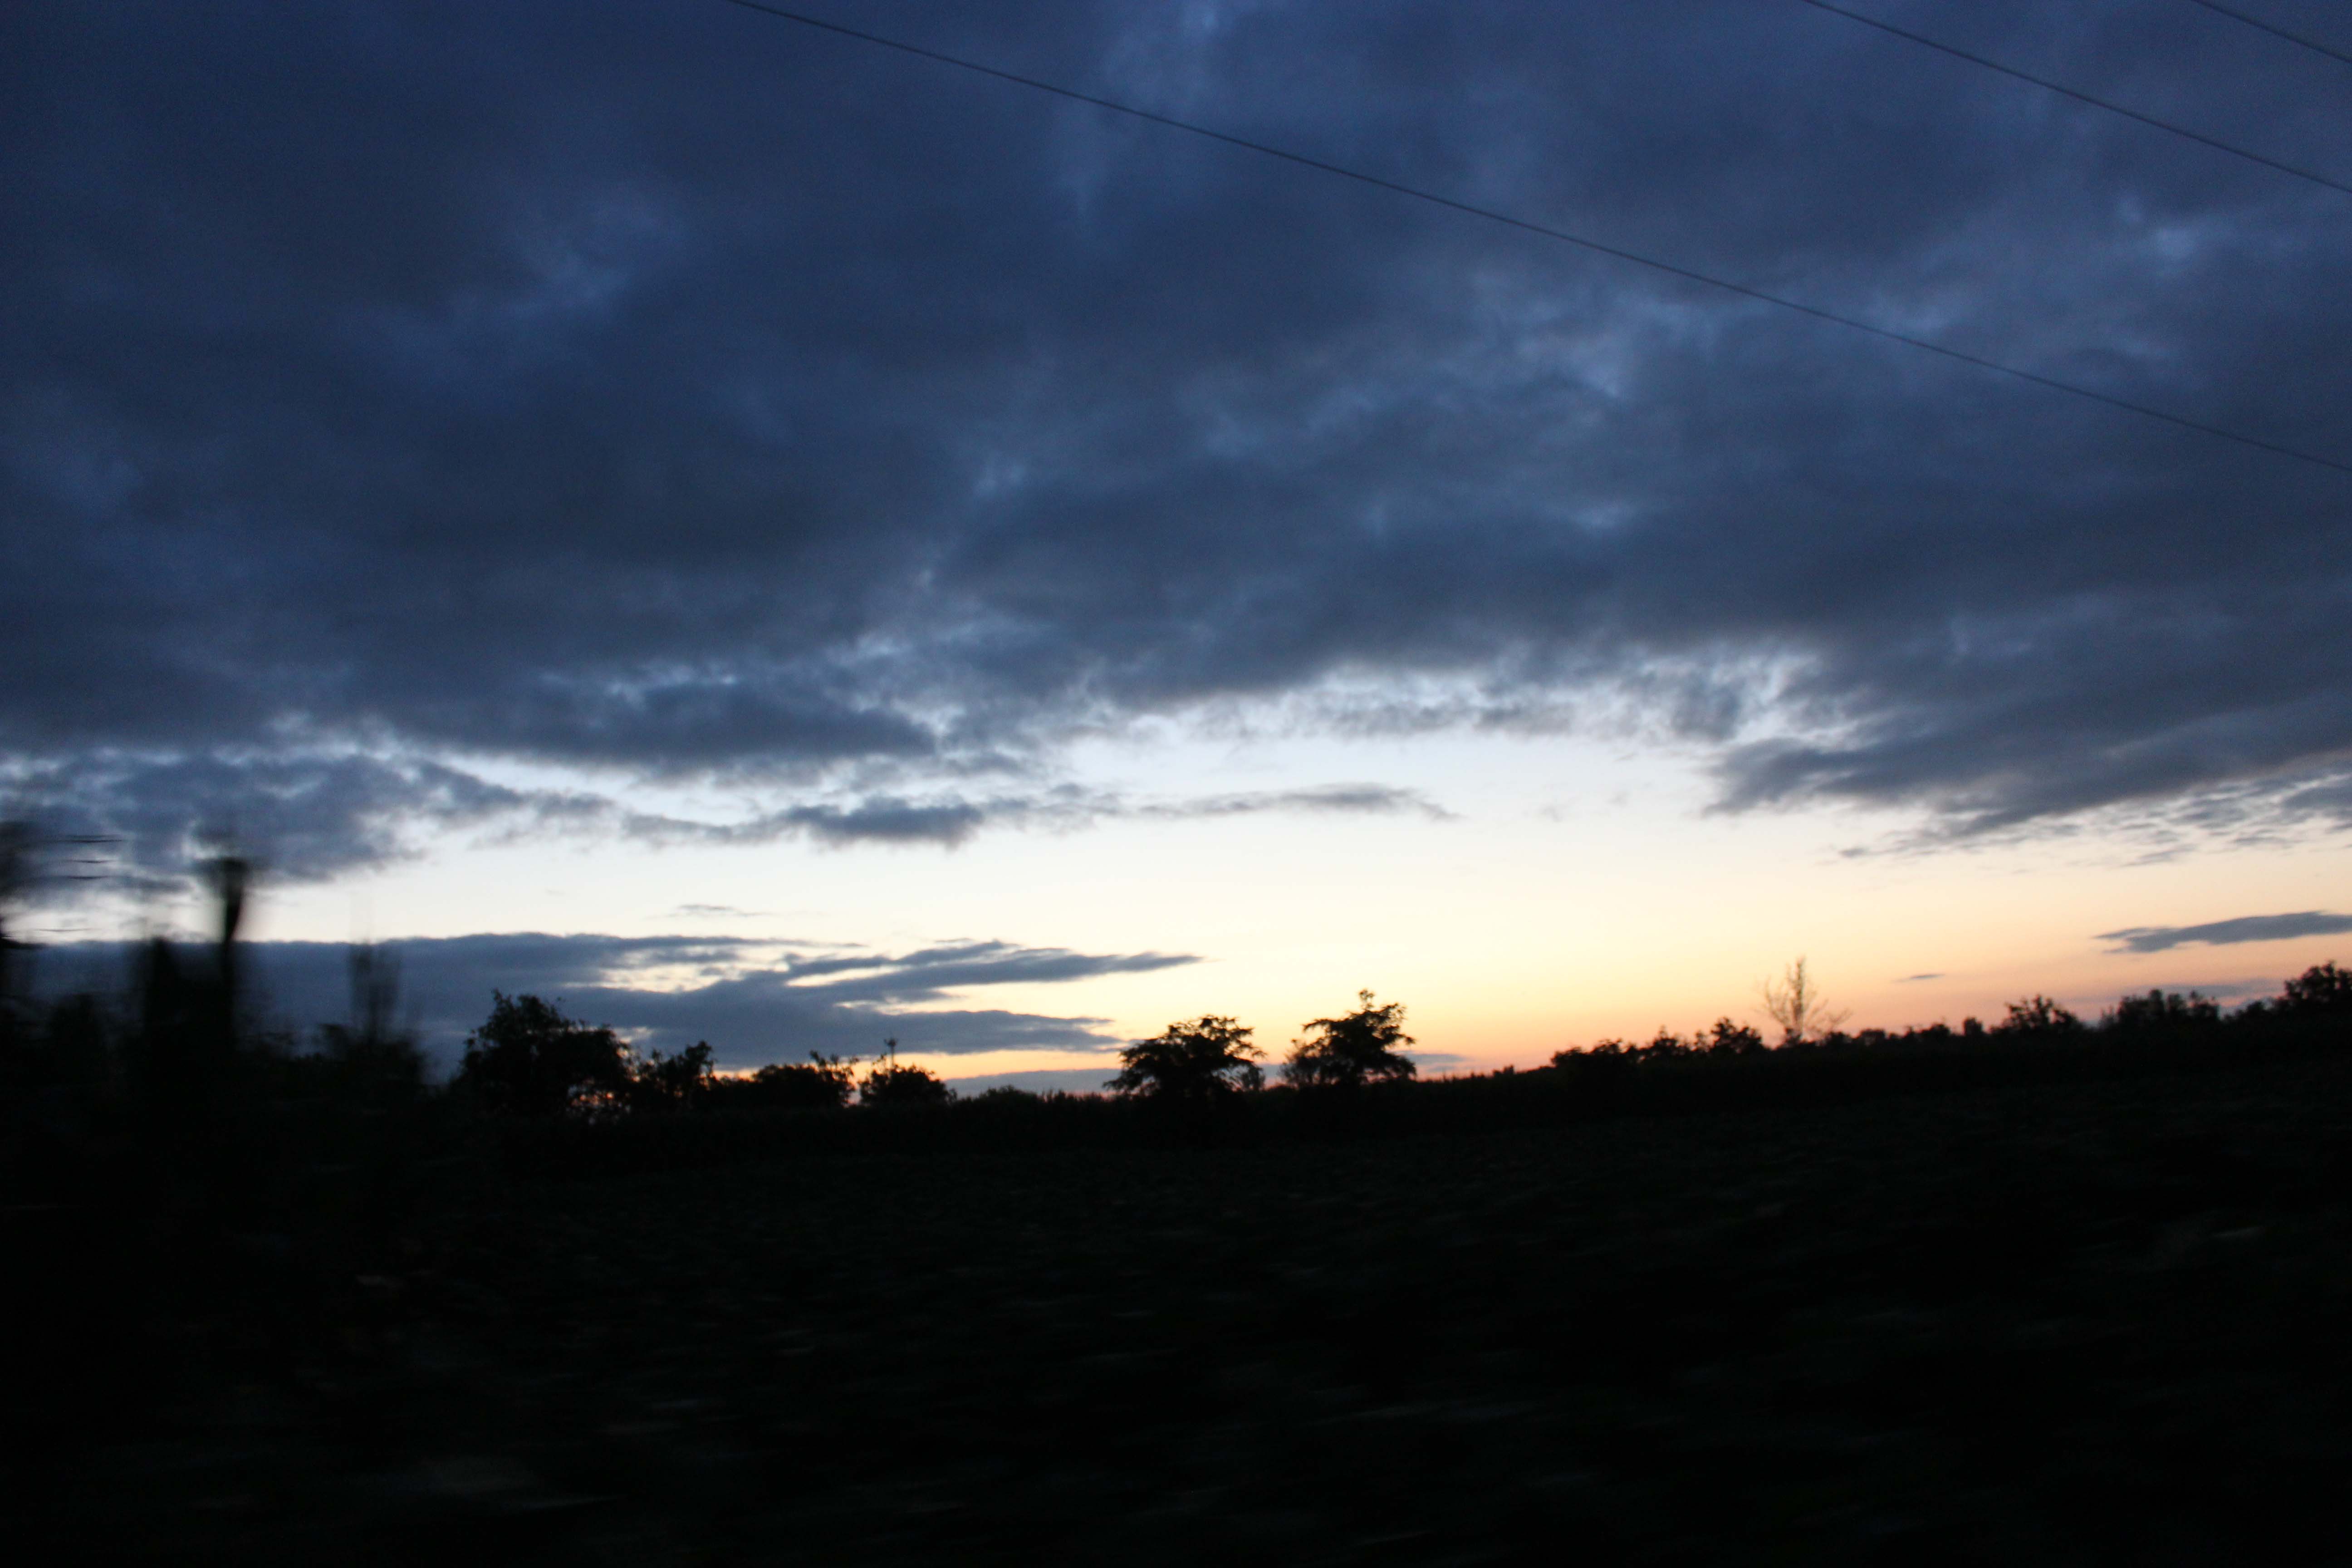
(2052, 1290)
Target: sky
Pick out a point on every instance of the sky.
(780, 542)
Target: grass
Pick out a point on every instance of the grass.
(2065, 1322)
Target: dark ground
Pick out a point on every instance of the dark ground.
(2087, 1323)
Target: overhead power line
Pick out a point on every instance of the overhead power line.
(2275, 31)
(2081, 97)
(1528, 225)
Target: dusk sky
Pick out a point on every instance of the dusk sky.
(774, 539)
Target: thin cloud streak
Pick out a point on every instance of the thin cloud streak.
(2219, 933)
(309, 818)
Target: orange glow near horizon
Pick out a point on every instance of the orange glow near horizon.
(1564, 892)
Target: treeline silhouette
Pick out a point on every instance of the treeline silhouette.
(1201, 1079)
(195, 1202)
(206, 1216)
(172, 1078)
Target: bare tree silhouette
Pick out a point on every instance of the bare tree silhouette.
(1795, 1004)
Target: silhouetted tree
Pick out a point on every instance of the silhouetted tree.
(1352, 1049)
(529, 1060)
(1575, 1059)
(1726, 1038)
(2321, 991)
(2162, 1011)
(1205, 1059)
(1665, 1046)
(1599, 1069)
(658, 1082)
(2038, 1015)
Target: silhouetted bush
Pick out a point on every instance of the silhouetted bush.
(890, 1084)
(822, 1083)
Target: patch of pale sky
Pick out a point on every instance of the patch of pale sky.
(1578, 890)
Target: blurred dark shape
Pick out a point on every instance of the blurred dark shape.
(529, 1060)
(179, 1052)
(188, 1011)
(890, 1084)
(15, 882)
(53, 1059)
(186, 1200)
(1203, 1060)
(230, 877)
(2039, 1017)
(1351, 1051)
(371, 1049)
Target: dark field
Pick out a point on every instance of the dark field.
(2074, 1322)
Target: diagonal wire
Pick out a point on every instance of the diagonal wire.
(2079, 97)
(2275, 31)
(1545, 231)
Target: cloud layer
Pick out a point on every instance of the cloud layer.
(390, 391)
(755, 1000)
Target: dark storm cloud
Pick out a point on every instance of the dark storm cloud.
(669, 389)
(302, 817)
(756, 1001)
(2245, 927)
